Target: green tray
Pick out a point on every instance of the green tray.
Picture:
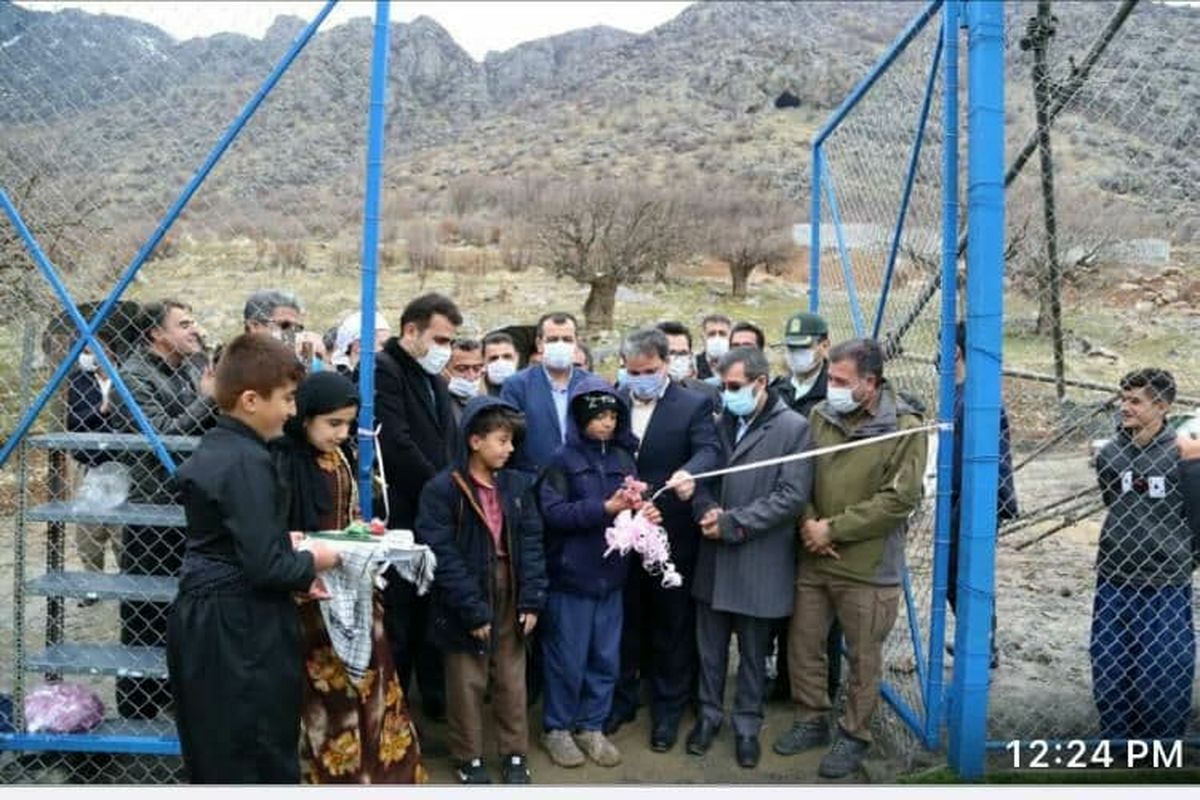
(342, 536)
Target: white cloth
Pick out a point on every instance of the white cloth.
(348, 611)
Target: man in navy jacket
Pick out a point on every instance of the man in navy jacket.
(541, 391)
(678, 435)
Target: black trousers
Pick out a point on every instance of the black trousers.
(237, 671)
(658, 648)
(406, 620)
(146, 551)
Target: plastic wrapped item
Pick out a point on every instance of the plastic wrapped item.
(105, 487)
(62, 708)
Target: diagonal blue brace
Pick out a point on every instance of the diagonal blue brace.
(914, 161)
(152, 243)
(87, 338)
(835, 214)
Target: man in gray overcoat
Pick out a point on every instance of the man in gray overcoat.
(746, 567)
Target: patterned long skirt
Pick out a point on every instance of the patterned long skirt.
(354, 732)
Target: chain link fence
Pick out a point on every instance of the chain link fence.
(1094, 577)
(96, 155)
(1101, 286)
(92, 160)
(880, 239)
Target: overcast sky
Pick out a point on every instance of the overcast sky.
(477, 26)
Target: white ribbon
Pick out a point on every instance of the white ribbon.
(938, 426)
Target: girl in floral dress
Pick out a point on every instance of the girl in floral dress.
(351, 731)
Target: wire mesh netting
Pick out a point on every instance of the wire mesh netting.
(871, 278)
(92, 160)
(1081, 642)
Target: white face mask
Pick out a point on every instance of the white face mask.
(679, 367)
(435, 359)
(801, 360)
(841, 399)
(463, 388)
(716, 346)
(559, 355)
(500, 370)
(87, 362)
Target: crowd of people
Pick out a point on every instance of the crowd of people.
(512, 464)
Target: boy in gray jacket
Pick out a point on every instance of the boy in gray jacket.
(1143, 637)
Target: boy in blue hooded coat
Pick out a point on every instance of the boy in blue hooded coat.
(581, 493)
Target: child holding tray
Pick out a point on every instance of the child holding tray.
(353, 731)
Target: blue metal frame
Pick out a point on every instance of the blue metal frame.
(90, 743)
(370, 252)
(946, 389)
(64, 297)
(844, 253)
(151, 745)
(172, 214)
(981, 434)
(914, 161)
(881, 66)
(814, 233)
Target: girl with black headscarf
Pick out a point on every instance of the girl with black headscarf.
(352, 731)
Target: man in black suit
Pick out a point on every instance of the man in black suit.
(678, 439)
(417, 438)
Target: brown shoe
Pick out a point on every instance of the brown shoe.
(598, 748)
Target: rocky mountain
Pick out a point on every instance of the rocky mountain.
(118, 113)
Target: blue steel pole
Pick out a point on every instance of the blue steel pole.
(893, 52)
(172, 214)
(370, 252)
(946, 392)
(64, 296)
(981, 435)
(914, 161)
(814, 251)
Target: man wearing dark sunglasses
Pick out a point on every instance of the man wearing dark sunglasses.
(745, 567)
(274, 312)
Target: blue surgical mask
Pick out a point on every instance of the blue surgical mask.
(559, 355)
(740, 403)
(841, 399)
(645, 387)
(713, 380)
(317, 364)
(622, 376)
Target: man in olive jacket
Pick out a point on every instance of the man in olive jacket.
(852, 551)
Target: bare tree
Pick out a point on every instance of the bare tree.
(605, 234)
(748, 228)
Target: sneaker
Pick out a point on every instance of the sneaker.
(515, 769)
(598, 748)
(473, 772)
(562, 749)
(802, 736)
(844, 758)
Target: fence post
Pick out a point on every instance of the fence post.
(981, 435)
(946, 392)
(370, 255)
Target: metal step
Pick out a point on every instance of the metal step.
(143, 736)
(163, 516)
(104, 586)
(126, 661)
(116, 442)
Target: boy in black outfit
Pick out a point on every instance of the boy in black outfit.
(483, 524)
(233, 636)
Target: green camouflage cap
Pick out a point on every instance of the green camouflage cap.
(804, 330)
